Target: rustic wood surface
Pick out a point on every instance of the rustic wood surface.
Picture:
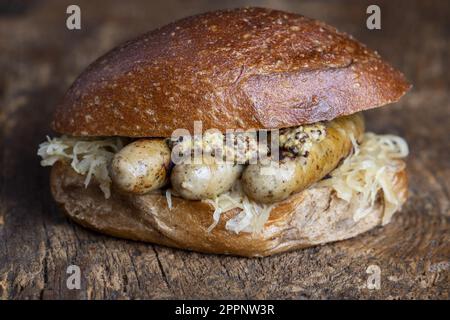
(39, 58)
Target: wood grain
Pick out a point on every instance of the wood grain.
(39, 58)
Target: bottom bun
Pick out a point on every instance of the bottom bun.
(309, 218)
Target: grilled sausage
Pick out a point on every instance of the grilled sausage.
(271, 183)
(141, 166)
(205, 180)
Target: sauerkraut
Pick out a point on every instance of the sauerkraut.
(87, 157)
(169, 198)
(370, 168)
(252, 217)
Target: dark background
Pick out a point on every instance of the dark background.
(39, 58)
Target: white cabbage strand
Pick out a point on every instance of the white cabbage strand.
(87, 157)
(368, 170)
(252, 217)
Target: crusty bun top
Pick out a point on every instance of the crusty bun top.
(242, 68)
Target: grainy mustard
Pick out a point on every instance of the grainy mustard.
(242, 147)
(237, 147)
(298, 141)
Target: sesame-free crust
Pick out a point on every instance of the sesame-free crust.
(241, 68)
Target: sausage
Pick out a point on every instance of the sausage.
(204, 181)
(271, 183)
(141, 166)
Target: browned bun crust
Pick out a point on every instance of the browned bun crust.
(311, 217)
(242, 68)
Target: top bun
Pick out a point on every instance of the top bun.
(242, 68)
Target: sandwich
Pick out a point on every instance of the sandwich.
(230, 132)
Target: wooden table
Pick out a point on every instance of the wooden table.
(39, 58)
